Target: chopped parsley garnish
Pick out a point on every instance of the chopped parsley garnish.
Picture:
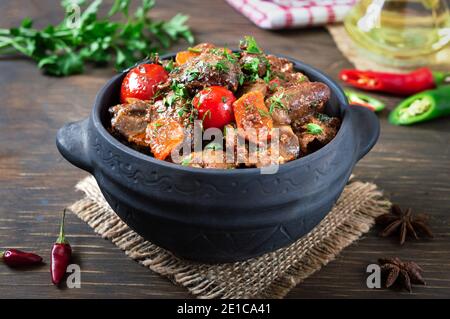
(179, 89)
(314, 129)
(276, 102)
(251, 46)
(224, 99)
(169, 66)
(221, 66)
(169, 99)
(241, 79)
(156, 126)
(252, 65)
(192, 74)
(251, 77)
(231, 57)
(181, 111)
(215, 51)
(268, 76)
(186, 109)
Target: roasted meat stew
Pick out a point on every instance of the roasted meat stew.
(263, 111)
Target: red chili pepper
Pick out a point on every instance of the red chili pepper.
(61, 255)
(18, 258)
(396, 83)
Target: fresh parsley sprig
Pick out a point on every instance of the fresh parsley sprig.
(64, 49)
(252, 65)
(250, 45)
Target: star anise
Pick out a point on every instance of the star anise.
(401, 273)
(403, 222)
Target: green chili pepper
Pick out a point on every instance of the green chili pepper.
(422, 107)
(364, 100)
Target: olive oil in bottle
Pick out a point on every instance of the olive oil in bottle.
(400, 32)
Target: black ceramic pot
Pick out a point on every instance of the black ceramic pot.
(219, 215)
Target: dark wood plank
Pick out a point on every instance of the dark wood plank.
(410, 164)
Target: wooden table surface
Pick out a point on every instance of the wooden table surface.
(411, 165)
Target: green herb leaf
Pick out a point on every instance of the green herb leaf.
(142, 11)
(169, 66)
(231, 57)
(268, 76)
(252, 65)
(314, 129)
(176, 28)
(169, 99)
(119, 6)
(179, 89)
(241, 79)
(221, 66)
(276, 102)
(69, 63)
(89, 15)
(251, 45)
(192, 74)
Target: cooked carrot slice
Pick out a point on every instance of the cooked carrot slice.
(184, 56)
(252, 115)
(163, 135)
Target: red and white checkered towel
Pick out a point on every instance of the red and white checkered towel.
(282, 14)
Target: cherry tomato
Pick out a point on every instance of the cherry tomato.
(215, 106)
(141, 81)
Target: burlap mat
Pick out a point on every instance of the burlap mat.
(269, 276)
(439, 61)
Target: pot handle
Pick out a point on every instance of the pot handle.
(366, 127)
(72, 143)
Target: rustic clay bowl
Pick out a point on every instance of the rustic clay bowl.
(219, 215)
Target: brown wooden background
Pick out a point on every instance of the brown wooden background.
(411, 164)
